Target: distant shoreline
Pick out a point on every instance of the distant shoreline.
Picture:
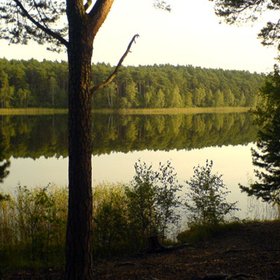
(138, 111)
(31, 111)
(173, 111)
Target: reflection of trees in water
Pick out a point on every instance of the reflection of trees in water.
(166, 132)
(35, 136)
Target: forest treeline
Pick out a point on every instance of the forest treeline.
(23, 136)
(44, 84)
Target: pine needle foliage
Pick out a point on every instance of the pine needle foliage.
(266, 157)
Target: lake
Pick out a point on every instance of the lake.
(36, 147)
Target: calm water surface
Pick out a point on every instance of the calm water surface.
(36, 147)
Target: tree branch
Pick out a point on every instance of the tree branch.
(37, 9)
(98, 14)
(40, 26)
(114, 73)
(87, 4)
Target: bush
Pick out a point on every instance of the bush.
(207, 203)
(125, 218)
(33, 224)
(152, 201)
(41, 222)
(110, 222)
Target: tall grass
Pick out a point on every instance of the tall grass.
(138, 111)
(126, 218)
(33, 226)
(173, 111)
(31, 111)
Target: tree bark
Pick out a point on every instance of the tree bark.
(83, 27)
(79, 226)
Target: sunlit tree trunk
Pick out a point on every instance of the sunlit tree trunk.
(79, 227)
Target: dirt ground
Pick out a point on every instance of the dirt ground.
(249, 252)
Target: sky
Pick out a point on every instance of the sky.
(191, 34)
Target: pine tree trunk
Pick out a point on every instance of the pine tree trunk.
(79, 226)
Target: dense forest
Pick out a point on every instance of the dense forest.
(44, 84)
(23, 136)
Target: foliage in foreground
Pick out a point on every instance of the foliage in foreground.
(33, 222)
(266, 157)
(206, 201)
(32, 227)
(152, 200)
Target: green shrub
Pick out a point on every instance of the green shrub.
(33, 224)
(41, 221)
(110, 221)
(125, 218)
(206, 199)
(152, 200)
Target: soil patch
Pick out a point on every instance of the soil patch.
(251, 251)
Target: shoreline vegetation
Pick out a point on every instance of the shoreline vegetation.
(32, 232)
(148, 215)
(31, 111)
(174, 111)
(136, 111)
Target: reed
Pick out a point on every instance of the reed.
(173, 111)
(32, 111)
(131, 111)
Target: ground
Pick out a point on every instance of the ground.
(251, 251)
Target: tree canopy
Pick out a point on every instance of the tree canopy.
(41, 21)
(249, 10)
(44, 84)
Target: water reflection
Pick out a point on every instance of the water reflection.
(36, 136)
(36, 146)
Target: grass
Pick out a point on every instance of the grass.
(33, 225)
(198, 233)
(173, 111)
(139, 111)
(31, 111)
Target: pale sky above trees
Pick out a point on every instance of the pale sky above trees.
(190, 34)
